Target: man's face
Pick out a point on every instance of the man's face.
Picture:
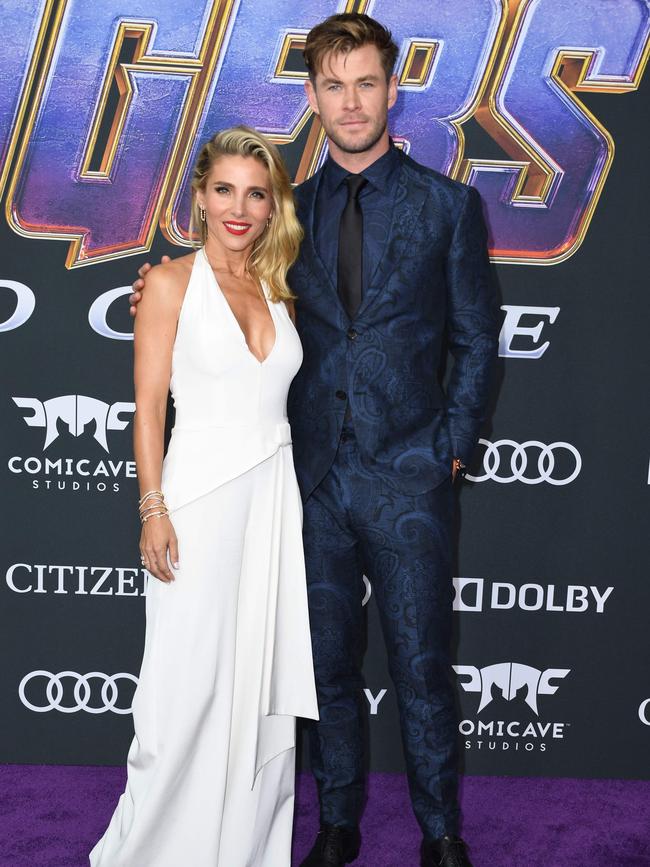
(352, 97)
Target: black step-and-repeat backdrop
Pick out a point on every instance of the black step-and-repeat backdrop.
(540, 105)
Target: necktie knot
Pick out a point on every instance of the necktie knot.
(355, 184)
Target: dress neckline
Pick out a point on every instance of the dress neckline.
(236, 322)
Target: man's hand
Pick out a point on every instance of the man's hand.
(457, 466)
(138, 285)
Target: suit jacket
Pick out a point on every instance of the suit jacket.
(430, 290)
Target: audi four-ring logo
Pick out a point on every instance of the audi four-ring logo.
(53, 689)
(521, 452)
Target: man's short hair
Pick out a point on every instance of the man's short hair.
(340, 34)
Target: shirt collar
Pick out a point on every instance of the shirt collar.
(379, 174)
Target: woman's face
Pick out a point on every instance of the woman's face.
(237, 200)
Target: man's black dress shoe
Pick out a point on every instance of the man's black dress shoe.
(334, 847)
(445, 852)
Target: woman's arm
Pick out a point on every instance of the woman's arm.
(154, 334)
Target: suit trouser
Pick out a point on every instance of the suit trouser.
(354, 523)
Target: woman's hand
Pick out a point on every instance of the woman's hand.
(158, 545)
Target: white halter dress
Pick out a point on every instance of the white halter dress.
(227, 661)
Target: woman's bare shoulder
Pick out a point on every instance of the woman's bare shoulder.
(171, 273)
(169, 280)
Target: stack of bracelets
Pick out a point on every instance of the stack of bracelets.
(152, 505)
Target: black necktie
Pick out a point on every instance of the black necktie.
(351, 247)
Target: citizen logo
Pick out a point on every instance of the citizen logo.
(509, 678)
(76, 580)
(69, 692)
(76, 411)
(531, 463)
(478, 594)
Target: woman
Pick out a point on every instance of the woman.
(227, 662)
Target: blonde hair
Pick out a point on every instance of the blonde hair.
(275, 251)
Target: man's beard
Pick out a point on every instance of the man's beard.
(359, 147)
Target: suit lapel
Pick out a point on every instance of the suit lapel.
(410, 196)
(309, 255)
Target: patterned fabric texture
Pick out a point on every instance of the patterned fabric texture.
(430, 290)
(374, 435)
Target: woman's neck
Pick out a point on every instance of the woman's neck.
(227, 261)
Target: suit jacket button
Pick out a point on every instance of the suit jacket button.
(352, 334)
(341, 394)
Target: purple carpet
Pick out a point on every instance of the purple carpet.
(52, 815)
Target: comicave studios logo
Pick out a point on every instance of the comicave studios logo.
(74, 415)
(515, 683)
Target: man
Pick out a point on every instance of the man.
(393, 263)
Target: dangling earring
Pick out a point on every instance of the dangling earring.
(268, 222)
(202, 214)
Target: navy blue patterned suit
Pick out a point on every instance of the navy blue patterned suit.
(374, 436)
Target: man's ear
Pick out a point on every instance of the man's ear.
(392, 90)
(310, 91)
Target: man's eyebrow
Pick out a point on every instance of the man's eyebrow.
(369, 77)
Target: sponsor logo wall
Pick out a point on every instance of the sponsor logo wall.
(552, 593)
(77, 414)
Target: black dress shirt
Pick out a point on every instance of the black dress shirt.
(376, 200)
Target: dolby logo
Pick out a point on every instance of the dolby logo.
(481, 594)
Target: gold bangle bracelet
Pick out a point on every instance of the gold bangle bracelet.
(154, 515)
(153, 508)
(149, 494)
